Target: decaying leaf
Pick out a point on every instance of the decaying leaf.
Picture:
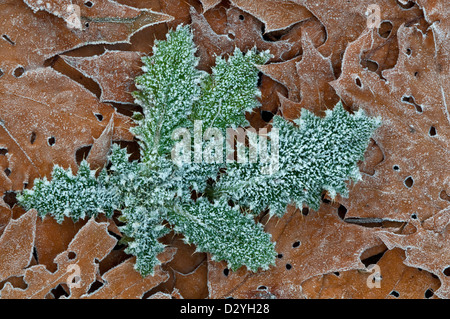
(208, 4)
(114, 71)
(317, 243)
(16, 245)
(193, 285)
(388, 278)
(91, 244)
(100, 148)
(104, 22)
(241, 30)
(426, 249)
(307, 80)
(49, 128)
(124, 282)
(276, 15)
(414, 90)
(346, 20)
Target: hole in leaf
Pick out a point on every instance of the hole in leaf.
(337, 273)
(342, 211)
(372, 260)
(71, 255)
(10, 198)
(408, 51)
(51, 141)
(262, 288)
(432, 131)
(88, 4)
(241, 17)
(7, 172)
(288, 266)
(99, 116)
(409, 182)
(32, 137)
(447, 271)
(82, 153)
(385, 29)
(305, 211)
(416, 74)
(412, 101)
(443, 195)
(59, 292)
(413, 216)
(3, 151)
(1, 73)
(96, 285)
(86, 24)
(369, 64)
(6, 38)
(429, 293)
(266, 116)
(296, 244)
(395, 293)
(35, 254)
(226, 272)
(280, 256)
(395, 167)
(407, 5)
(358, 82)
(19, 71)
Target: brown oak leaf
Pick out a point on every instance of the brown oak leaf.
(114, 71)
(77, 265)
(124, 282)
(345, 20)
(307, 246)
(16, 245)
(47, 129)
(307, 80)
(276, 15)
(426, 249)
(387, 278)
(104, 22)
(415, 168)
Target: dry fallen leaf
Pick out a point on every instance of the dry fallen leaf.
(388, 278)
(16, 245)
(426, 249)
(124, 282)
(310, 245)
(306, 79)
(104, 22)
(49, 128)
(415, 169)
(91, 244)
(114, 71)
(276, 15)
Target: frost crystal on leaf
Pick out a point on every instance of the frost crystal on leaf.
(76, 196)
(316, 154)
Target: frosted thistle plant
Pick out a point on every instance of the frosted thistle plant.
(76, 196)
(315, 155)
